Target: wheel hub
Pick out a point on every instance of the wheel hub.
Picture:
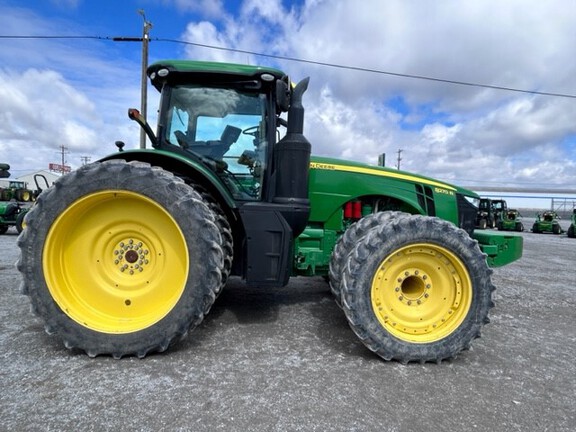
(413, 287)
(131, 256)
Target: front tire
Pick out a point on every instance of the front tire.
(417, 289)
(347, 242)
(120, 258)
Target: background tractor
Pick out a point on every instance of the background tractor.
(12, 196)
(11, 214)
(126, 255)
(547, 222)
(510, 220)
(16, 190)
(572, 228)
(490, 212)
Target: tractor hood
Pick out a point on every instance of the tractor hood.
(331, 164)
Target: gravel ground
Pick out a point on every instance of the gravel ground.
(285, 360)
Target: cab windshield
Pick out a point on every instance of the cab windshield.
(225, 126)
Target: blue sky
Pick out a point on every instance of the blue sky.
(76, 92)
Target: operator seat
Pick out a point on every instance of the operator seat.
(215, 148)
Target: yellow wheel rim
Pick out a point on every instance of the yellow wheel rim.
(421, 293)
(115, 262)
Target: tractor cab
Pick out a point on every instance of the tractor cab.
(225, 126)
(230, 121)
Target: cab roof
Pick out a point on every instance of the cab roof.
(204, 70)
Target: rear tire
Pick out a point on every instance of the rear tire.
(20, 221)
(347, 242)
(120, 258)
(417, 289)
(227, 239)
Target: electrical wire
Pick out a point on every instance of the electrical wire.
(306, 61)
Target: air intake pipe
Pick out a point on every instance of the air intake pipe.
(292, 162)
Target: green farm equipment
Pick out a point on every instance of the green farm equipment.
(485, 217)
(126, 255)
(12, 198)
(11, 214)
(547, 222)
(572, 228)
(489, 212)
(17, 191)
(510, 220)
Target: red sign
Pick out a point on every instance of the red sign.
(59, 168)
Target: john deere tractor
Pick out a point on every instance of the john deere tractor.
(11, 214)
(547, 222)
(572, 228)
(16, 191)
(125, 256)
(510, 220)
(12, 210)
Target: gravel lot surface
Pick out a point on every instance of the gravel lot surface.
(286, 360)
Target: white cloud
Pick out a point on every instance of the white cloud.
(213, 9)
(461, 133)
(42, 111)
(484, 135)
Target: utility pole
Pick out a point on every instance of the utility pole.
(63, 152)
(62, 168)
(145, 39)
(144, 89)
(399, 158)
(85, 160)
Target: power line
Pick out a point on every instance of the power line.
(314, 62)
(376, 71)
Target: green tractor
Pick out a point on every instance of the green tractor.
(490, 212)
(12, 210)
(510, 220)
(12, 214)
(572, 228)
(17, 191)
(485, 216)
(125, 256)
(547, 222)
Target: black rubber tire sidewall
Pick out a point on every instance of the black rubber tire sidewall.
(20, 221)
(348, 240)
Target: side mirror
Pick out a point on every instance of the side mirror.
(283, 94)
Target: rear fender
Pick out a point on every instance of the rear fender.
(182, 167)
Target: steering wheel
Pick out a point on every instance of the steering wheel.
(253, 131)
